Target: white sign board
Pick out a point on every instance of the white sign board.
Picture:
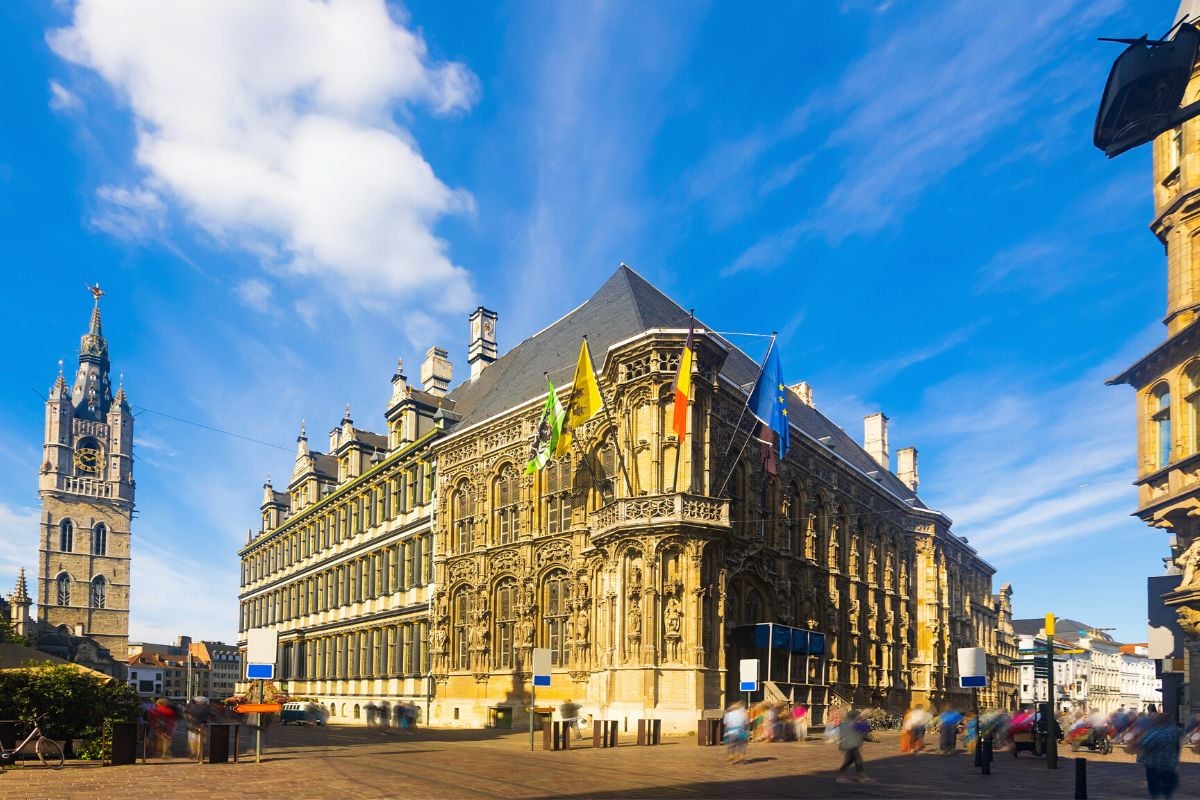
(262, 645)
(748, 675)
(541, 666)
(972, 662)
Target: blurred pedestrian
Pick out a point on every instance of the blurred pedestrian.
(1158, 752)
(197, 714)
(800, 720)
(852, 733)
(737, 733)
(162, 727)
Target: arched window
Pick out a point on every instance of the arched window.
(1160, 418)
(66, 536)
(1192, 383)
(63, 584)
(554, 599)
(462, 632)
(462, 508)
(99, 588)
(506, 618)
(505, 499)
(556, 502)
(99, 539)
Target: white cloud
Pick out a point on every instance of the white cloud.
(254, 293)
(272, 125)
(63, 100)
(132, 214)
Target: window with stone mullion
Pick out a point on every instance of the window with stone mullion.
(506, 617)
(505, 502)
(555, 602)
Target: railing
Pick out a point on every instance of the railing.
(86, 486)
(666, 509)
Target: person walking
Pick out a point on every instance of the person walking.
(162, 720)
(197, 713)
(737, 733)
(800, 720)
(851, 735)
(1158, 752)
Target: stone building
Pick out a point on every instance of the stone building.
(1167, 379)
(645, 565)
(86, 488)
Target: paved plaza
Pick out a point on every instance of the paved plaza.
(339, 762)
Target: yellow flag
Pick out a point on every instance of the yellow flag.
(585, 401)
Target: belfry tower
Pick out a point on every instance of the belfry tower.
(86, 486)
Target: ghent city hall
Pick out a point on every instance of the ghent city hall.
(422, 565)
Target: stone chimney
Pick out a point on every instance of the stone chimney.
(482, 349)
(906, 467)
(875, 438)
(803, 391)
(436, 372)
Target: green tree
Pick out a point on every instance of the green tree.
(75, 703)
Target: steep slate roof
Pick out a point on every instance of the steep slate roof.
(625, 306)
(1065, 629)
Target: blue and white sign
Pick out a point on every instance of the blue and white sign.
(262, 648)
(541, 666)
(972, 668)
(748, 675)
(261, 672)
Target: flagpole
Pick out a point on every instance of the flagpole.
(679, 447)
(750, 435)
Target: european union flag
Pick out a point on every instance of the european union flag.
(768, 400)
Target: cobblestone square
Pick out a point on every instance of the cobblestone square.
(337, 762)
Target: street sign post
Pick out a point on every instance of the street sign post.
(262, 649)
(1051, 725)
(541, 677)
(972, 674)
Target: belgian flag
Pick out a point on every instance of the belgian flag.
(683, 385)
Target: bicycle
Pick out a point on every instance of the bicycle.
(48, 751)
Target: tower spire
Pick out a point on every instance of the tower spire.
(92, 393)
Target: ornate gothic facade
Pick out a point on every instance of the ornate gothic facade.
(641, 563)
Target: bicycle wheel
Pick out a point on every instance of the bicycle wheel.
(50, 754)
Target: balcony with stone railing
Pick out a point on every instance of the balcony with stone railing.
(91, 487)
(660, 511)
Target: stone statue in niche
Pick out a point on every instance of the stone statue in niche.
(673, 620)
(633, 621)
(853, 555)
(581, 626)
(808, 607)
(525, 630)
(438, 640)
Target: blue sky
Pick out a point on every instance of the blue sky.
(282, 198)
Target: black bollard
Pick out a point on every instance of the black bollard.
(1081, 779)
(986, 746)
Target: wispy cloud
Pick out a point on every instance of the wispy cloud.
(595, 109)
(935, 92)
(18, 542)
(1019, 464)
(63, 100)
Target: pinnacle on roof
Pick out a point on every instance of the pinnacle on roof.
(21, 594)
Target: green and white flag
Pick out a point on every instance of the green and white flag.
(548, 431)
